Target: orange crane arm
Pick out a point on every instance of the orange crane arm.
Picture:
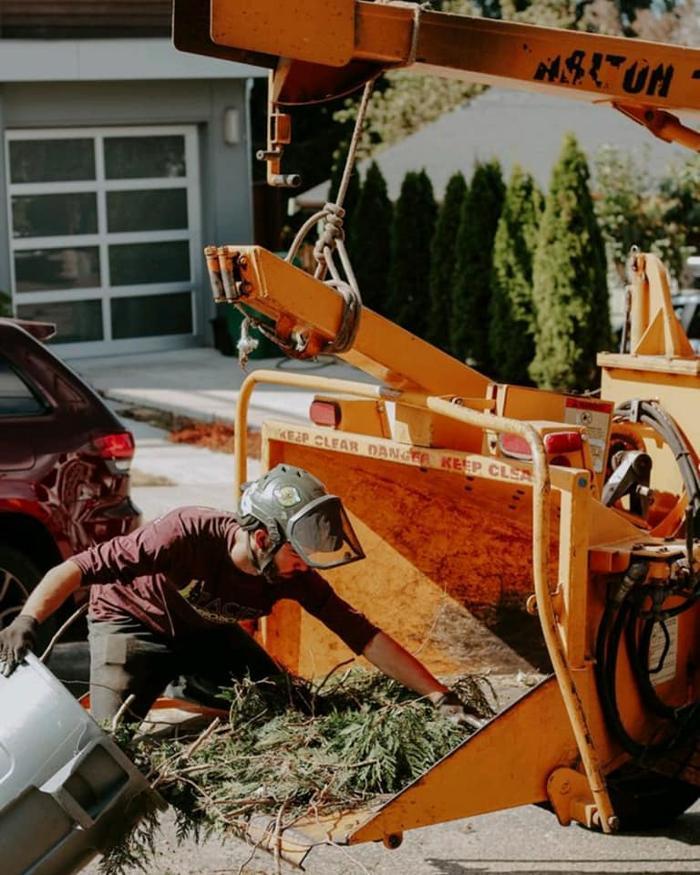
(320, 50)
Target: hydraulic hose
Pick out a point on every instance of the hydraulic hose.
(652, 414)
(638, 653)
(622, 614)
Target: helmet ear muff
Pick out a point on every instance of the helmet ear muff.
(261, 557)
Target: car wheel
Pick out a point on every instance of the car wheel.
(19, 574)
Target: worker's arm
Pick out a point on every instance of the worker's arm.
(48, 596)
(392, 659)
(52, 590)
(396, 662)
(363, 637)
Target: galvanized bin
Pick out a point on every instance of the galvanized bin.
(67, 792)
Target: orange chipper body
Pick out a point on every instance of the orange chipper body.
(502, 524)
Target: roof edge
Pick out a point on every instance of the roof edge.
(110, 60)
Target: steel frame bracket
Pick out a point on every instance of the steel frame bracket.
(570, 796)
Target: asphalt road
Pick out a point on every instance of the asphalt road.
(519, 840)
(507, 842)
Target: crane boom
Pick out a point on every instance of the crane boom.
(318, 51)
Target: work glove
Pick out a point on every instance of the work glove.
(453, 709)
(15, 641)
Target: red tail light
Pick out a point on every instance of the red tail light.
(562, 442)
(325, 413)
(555, 443)
(115, 446)
(513, 444)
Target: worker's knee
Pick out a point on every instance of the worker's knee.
(126, 664)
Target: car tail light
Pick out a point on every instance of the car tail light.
(325, 413)
(117, 448)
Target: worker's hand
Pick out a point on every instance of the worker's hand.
(15, 641)
(450, 706)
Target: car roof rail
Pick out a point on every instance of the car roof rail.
(40, 330)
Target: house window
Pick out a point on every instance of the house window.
(104, 228)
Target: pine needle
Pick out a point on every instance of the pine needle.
(291, 749)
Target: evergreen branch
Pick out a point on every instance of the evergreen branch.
(291, 751)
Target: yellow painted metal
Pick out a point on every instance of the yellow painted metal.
(594, 67)
(320, 51)
(550, 628)
(570, 795)
(279, 378)
(654, 326)
(504, 765)
(302, 305)
(359, 415)
(568, 615)
(307, 30)
(573, 569)
(311, 446)
(662, 364)
(387, 33)
(598, 68)
(521, 402)
(662, 125)
(445, 548)
(540, 551)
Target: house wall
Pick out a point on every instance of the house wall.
(225, 193)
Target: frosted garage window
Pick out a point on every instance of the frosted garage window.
(52, 160)
(75, 321)
(55, 269)
(54, 215)
(104, 220)
(136, 263)
(155, 209)
(144, 157)
(152, 315)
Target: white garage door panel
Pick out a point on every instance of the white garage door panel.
(105, 235)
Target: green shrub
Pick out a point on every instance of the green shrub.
(569, 280)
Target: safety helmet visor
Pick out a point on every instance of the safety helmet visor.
(322, 534)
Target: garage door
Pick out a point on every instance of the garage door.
(105, 235)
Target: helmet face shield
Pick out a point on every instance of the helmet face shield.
(322, 535)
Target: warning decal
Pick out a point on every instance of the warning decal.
(594, 416)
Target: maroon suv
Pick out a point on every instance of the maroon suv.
(64, 464)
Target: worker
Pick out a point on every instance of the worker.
(166, 600)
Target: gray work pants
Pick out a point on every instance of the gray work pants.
(128, 658)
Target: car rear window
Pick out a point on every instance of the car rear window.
(16, 397)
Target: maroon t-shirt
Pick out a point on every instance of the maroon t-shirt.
(175, 575)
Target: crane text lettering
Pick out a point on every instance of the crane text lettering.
(581, 67)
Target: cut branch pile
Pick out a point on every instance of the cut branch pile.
(294, 748)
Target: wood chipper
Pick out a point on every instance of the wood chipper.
(495, 518)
